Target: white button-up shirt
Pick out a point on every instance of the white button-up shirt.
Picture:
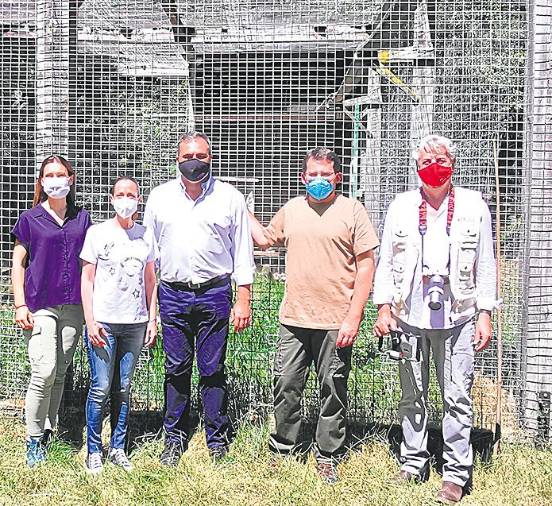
(436, 261)
(437, 244)
(204, 238)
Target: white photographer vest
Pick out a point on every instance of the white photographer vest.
(464, 238)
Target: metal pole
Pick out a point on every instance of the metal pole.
(538, 357)
(52, 78)
(499, 345)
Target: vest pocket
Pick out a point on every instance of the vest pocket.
(467, 252)
(400, 239)
(398, 273)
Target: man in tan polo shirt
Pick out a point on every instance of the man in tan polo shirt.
(329, 270)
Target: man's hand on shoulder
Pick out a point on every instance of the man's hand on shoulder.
(258, 232)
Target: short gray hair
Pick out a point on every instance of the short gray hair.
(192, 135)
(431, 142)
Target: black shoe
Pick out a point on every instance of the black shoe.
(171, 454)
(218, 453)
(47, 437)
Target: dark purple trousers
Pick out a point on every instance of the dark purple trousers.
(195, 321)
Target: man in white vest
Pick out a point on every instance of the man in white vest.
(435, 285)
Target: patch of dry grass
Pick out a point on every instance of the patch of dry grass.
(521, 475)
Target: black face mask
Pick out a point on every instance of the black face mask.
(194, 170)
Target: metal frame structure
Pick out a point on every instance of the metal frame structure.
(113, 84)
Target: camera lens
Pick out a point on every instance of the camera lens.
(435, 305)
(436, 292)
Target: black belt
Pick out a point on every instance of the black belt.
(178, 285)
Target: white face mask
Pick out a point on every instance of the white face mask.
(56, 187)
(125, 207)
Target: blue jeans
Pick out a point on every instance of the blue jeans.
(195, 322)
(111, 370)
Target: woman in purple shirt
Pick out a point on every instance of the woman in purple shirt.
(46, 287)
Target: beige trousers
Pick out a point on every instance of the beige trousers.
(51, 345)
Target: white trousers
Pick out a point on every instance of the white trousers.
(51, 345)
(453, 356)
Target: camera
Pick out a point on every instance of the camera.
(401, 349)
(436, 291)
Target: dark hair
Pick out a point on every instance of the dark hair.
(190, 136)
(40, 194)
(126, 178)
(321, 153)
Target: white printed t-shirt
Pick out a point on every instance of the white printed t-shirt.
(120, 257)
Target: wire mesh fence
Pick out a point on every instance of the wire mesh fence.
(113, 84)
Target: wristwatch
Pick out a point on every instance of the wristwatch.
(486, 311)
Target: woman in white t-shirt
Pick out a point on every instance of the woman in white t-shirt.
(119, 302)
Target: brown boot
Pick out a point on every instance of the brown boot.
(327, 472)
(450, 493)
(403, 477)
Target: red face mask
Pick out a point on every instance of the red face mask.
(435, 174)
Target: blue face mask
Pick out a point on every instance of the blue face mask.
(319, 188)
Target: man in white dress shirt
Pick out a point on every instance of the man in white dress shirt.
(436, 285)
(204, 239)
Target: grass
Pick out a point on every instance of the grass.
(373, 384)
(520, 475)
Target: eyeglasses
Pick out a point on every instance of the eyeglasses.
(199, 156)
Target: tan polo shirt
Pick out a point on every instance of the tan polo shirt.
(322, 241)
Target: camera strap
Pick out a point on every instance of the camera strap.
(422, 218)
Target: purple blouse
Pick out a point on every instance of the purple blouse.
(53, 271)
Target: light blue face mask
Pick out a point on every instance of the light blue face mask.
(319, 188)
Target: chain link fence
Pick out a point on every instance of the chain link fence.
(113, 84)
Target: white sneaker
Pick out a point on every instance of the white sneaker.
(118, 457)
(94, 464)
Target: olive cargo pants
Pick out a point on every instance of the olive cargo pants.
(297, 349)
